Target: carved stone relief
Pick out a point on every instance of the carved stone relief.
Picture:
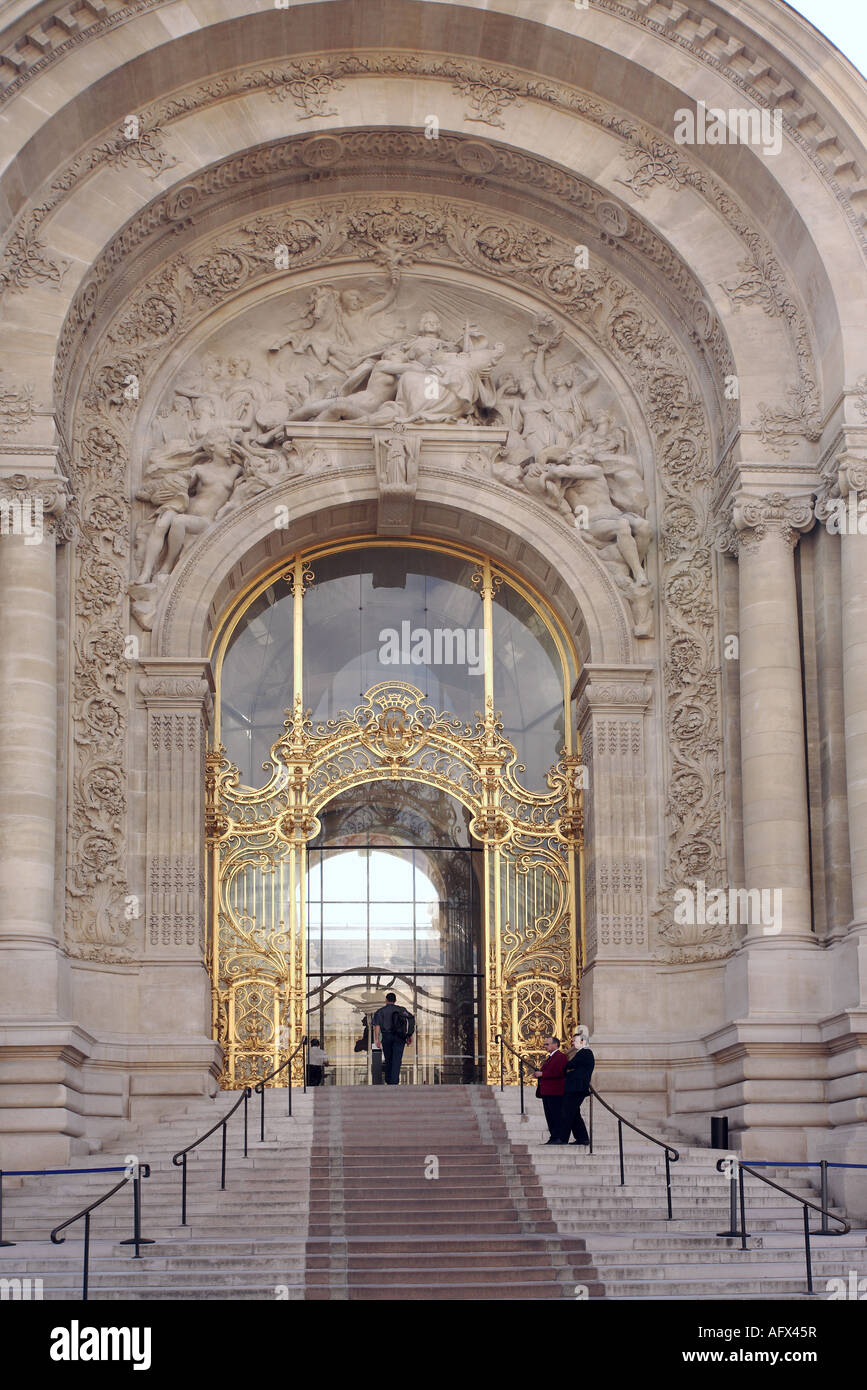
(431, 231)
(374, 357)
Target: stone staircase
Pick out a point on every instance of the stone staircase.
(639, 1254)
(246, 1242)
(417, 1194)
(414, 1193)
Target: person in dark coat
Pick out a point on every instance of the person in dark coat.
(550, 1080)
(576, 1087)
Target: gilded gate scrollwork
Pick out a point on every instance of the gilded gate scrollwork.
(257, 844)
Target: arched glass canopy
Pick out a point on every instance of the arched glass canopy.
(381, 611)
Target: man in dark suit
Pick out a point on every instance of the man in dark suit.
(576, 1087)
(551, 1086)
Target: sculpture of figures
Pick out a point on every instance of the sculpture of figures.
(536, 410)
(336, 326)
(395, 461)
(443, 385)
(363, 404)
(604, 441)
(263, 469)
(587, 493)
(189, 499)
(568, 387)
(174, 421)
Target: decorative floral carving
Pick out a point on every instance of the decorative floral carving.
(16, 406)
(488, 94)
(26, 259)
(310, 87)
(778, 429)
(656, 162)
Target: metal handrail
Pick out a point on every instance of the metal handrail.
(182, 1153)
(671, 1154)
(737, 1197)
(823, 1164)
(141, 1170)
(46, 1173)
(524, 1063)
(259, 1088)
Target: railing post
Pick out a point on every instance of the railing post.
(502, 1066)
(304, 1063)
(743, 1208)
(223, 1163)
(620, 1143)
(823, 1200)
(86, 1256)
(807, 1248)
(137, 1237)
(668, 1182)
(521, 1075)
(2, 1241)
(733, 1203)
(246, 1099)
(289, 1088)
(591, 1121)
(262, 1113)
(184, 1190)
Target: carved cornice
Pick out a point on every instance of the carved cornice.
(754, 71)
(772, 514)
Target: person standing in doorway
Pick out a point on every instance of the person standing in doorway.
(393, 1028)
(550, 1087)
(576, 1087)
(317, 1061)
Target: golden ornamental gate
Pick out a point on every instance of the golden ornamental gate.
(257, 841)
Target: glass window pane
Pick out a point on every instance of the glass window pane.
(393, 614)
(256, 681)
(528, 686)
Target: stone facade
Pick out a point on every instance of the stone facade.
(415, 287)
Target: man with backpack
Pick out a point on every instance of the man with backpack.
(393, 1027)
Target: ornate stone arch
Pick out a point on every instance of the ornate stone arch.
(606, 308)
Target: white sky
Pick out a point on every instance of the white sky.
(844, 22)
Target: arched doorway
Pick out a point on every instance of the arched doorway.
(394, 888)
(459, 766)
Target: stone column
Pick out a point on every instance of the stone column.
(32, 1002)
(853, 481)
(846, 1141)
(773, 758)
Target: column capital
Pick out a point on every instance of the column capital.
(32, 505)
(756, 517)
(852, 471)
(627, 689)
(169, 682)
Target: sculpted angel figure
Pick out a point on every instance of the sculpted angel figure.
(190, 487)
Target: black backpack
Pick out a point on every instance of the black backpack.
(402, 1023)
